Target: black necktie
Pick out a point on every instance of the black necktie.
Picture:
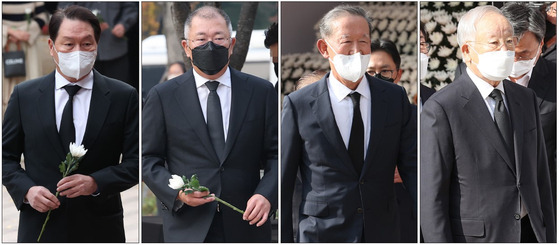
(502, 120)
(215, 119)
(357, 135)
(67, 130)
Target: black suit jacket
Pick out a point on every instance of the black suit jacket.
(470, 188)
(176, 141)
(426, 93)
(112, 129)
(338, 205)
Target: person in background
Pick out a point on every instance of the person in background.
(115, 19)
(424, 47)
(175, 69)
(484, 172)
(271, 42)
(550, 40)
(22, 23)
(385, 64)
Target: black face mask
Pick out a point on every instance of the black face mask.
(276, 68)
(210, 58)
(383, 78)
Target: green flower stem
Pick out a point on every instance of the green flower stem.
(46, 220)
(226, 203)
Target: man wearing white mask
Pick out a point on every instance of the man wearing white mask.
(346, 133)
(72, 104)
(484, 172)
(425, 46)
(537, 74)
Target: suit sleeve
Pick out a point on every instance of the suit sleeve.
(437, 159)
(120, 177)
(268, 186)
(154, 147)
(407, 159)
(14, 177)
(544, 182)
(291, 145)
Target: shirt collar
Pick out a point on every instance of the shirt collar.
(225, 79)
(341, 91)
(484, 87)
(85, 83)
(525, 79)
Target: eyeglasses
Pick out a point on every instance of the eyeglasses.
(510, 43)
(384, 74)
(552, 10)
(202, 41)
(425, 45)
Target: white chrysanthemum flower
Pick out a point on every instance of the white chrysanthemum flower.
(436, 38)
(176, 182)
(451, 65)
(402, 39)
(469, 4)
(392, 25)
(443, 19)
(449, 28)
(434, 63)
(445, 51)
(438, 5)
(382, 25)
(430, 26)
(28, 10)
(400, 27)
(441, 75)
(452, 40)
(425, 17)
(412, 26)
(77, 151)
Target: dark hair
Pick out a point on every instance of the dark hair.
(524, 18)
(388, 47)
(271, 35)
(422, 29)
(73, 12)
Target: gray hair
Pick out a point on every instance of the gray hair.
(207, 12)
(338, 11)
(525, 18)
(467, 25)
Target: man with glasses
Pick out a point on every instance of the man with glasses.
(484, 172)
(220, 124)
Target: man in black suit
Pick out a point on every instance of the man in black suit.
(484, 172)
(102, 115)
(220, 124)
(346, 133)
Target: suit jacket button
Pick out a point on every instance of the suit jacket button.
(362, 182)
(221, 169)
(359, 210)
(517, 216)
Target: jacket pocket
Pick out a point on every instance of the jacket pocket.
(468, 227)
(314, 208)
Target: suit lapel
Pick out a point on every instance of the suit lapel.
(378, 117)
(475, 106)
(187, 99)
(241, 95)
(515, 110)
(98, 109)
(46, 111)
(322, 109)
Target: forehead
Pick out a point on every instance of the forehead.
(528, 41)
(380, 59)
(202, 25)
(75, 29)
(348, 25)
(493, 25)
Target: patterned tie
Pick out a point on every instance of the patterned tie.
(502, 120)
(67, 130)
(215, 119)
(357, 135)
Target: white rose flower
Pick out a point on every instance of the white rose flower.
(176, 182)
(436, 38)
(445, 51)
(449, 28)
(434, 63)
(430, 26)
(77, 151)
(28, 10)
(451, 64)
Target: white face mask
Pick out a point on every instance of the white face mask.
(495, 65)
(350, 67)
(424, 62)
(522, 67)
(75, 64)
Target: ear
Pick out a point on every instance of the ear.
(323, 48)
(232, 46)
(187, 50)
(398, 75)
(51, 50)
(466, 56)
(539, 54)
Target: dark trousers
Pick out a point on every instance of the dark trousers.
(216, 232)
(526, 232)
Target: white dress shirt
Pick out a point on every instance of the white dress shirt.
(81, 103)
(485, 89)
(224, 92)
(342, 106)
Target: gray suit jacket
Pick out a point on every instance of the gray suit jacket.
(175, 140)
(338, 204)
(470, 188)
